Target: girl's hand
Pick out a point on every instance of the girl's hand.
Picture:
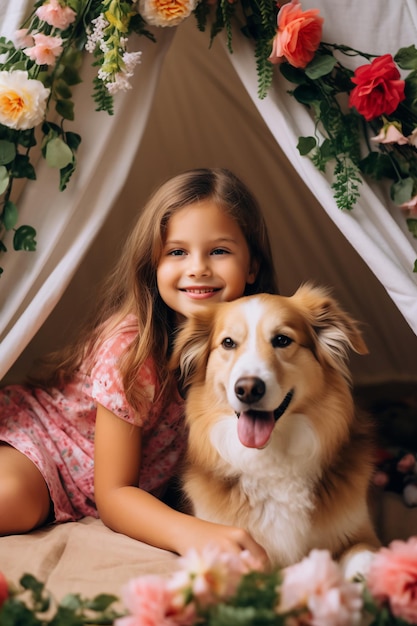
(198, 534)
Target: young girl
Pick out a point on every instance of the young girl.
(101, 431)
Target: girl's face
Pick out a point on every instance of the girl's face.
(205, 259)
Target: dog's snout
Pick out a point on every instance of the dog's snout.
(249, 389)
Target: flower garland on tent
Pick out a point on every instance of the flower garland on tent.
(365, 120)
(215, 589)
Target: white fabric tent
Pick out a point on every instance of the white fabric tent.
(204, 111)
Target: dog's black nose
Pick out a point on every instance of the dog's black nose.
(249, 389)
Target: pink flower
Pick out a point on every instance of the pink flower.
(390, 134)
(298, 35)
(316, 584)
(4, 589)
(45, 50)
(412, 139)
(211, 575)
(392, 578)
(56, 15)
(379, 88)
(22, 38)
(151, 603)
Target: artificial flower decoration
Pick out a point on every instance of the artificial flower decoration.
(217, 589)
(364, 120)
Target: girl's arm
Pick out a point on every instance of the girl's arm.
(125, 508)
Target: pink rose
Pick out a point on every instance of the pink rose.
(151, 604)
(55, 15)
(379, 88)
(298, 35)
(317, 586)
(4, 589)
(45, 50)
(392, 578)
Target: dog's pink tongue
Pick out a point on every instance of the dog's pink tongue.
(254, 428)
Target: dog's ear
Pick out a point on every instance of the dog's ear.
(334, 331)
(192, 348)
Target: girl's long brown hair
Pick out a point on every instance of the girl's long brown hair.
(132, 286)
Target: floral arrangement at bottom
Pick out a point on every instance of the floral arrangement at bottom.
(218, 589)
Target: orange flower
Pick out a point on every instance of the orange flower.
(298, 35)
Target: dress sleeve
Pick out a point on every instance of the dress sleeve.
(106, 382)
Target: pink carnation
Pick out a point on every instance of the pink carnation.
(392, 578)
(46, 49)
(56, 15)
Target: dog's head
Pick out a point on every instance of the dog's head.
(263, 353)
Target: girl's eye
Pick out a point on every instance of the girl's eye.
(176, 252)
(281, 341)
(228, 343)
(219, 251)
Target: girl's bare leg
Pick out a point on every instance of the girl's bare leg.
(24, 496)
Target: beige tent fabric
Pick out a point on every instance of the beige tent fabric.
(202, 116)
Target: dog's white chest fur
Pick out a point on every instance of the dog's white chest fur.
(275, 485)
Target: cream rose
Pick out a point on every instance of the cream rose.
(22, 100)
(166, 12)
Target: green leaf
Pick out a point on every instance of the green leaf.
(414, 268)
(7, 152)
(23, 168)
(306, 94)
(306, 145)
(10, 215)
(406, 58)
(402, 190)
(4, 179)
(73, 140)
(292, 74)
(321, 65)
(101, 602)
(62, 90)
(65, 108)
(24, 239)
(65, 175)
(412, 226)
(58, 154)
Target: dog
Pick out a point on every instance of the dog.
(275, 443)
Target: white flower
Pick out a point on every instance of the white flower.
(22, 100)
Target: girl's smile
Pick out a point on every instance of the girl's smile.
(205, 259)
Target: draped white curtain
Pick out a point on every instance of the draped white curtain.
(67, 222)
(200, 117)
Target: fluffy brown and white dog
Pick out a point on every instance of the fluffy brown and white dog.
(275, 443)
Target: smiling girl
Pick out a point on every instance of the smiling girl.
(101, 432)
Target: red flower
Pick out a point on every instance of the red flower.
(379, 88)
(4, 589)
(298, 35)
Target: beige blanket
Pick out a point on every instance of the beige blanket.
(86, 557)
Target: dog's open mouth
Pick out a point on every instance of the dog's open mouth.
(254, 428)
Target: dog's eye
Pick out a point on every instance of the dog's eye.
(228, 343)
(281, 341)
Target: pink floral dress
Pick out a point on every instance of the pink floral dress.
(55, 428)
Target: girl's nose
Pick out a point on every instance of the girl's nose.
(198, 266)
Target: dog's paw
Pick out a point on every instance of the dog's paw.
(357, 564)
